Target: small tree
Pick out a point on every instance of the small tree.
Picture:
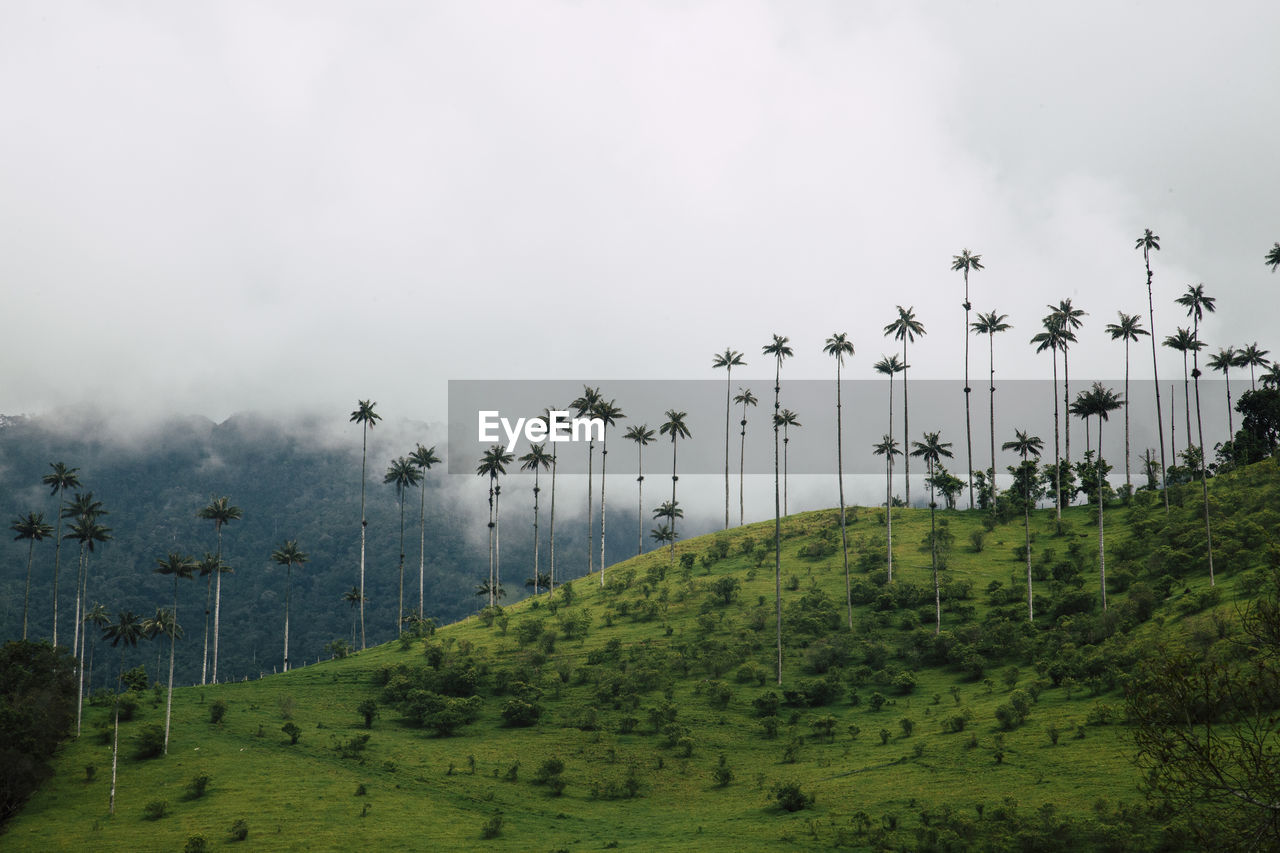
(292, 730)
(369, 710)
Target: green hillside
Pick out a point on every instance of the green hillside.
(997, 732)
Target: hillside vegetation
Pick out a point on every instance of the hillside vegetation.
(646, 715)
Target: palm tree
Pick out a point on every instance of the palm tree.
(670, 510)
(1101, 403)
(675, 427)
(964, 262)
(786, 419)
(59, 481)
(493, 464)
(1273, 257)
(1197, 303)
(1271, 379)
(729, 359)
(124, 632)
(838, 346)
(551, 533)
(779, 350)
(98, 617)
(746, 398)
(424, 458)
(1222, 361)
(1251, 357)
(932, 449)
(888, 448)
(662, 534)
(889, 365)
(288, 555)
(642, 436)
(905, 329)
(988, 324)
(1146, 243)
(609, 414)
(34, 529)
(1025, 445)
(1128, 330)
(88, 532)
(352, 598)
(179, 566)
(585, 407)
(1069, 320)
(1185, 342)
(403, 474)
(368, 419)
(207, 567)
(221, 513)
(536, 460)
(1052, 339)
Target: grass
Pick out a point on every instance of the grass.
(426, 792)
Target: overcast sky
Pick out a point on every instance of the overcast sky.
(217, 207)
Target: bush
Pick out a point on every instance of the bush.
(127, 703)
(217, 711)
(722, 774)
(791, 798)
(154, 810)
(518, 712)
(492, 827)
(877, 701)
(150, 742)
(292, 730)
(368, 709)
(197, 785)
(195, 844)
(239, 830)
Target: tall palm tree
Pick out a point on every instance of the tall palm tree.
(1271, 379)
(98, 617)
(1273, 257)
(888, 448)
(179, 566)
(1026, 446)
(662, 534)
(352, 598)
(989, 324)
(964, 262)
(642, 436)
(1222, 361)
(786, 419)
(905, 329)
(670, 510)
(1185, 342)
(368, 419)
(1069, 319)
(1197, 304)
(34, 529)
(551, 532)
(424, 458)
(1101, 402)
(675, 427)
(88, 532)
(59, 481)
(404, 475)
(1252, 356)
(1052, 339)
(931, 450)
(288, 554)
(208, 566)
(890, 366)
(492, 465)
(124, 632)
(746, 398)
(1147, 242)
(779, 349)
(609, 414)
(584, 407)
(1128, 330)
(838, 346)
(221, 513)
(729, 359)
(536, 460)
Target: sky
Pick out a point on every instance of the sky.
(211, 208)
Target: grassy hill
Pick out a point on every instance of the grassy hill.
(995, 732)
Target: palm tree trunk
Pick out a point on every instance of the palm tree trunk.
(639, 499)
(82, 591)
(777, 518)
(497, 543)
(552, 532)
(208, 601)
(742, 467)
(933, 552)
(591, 523)
(288, 593)
(604, 461)
(364, 523)
(1026, 530)
(115, 740)
(1186, 393)
(57, 561)
(1128, 480)
(991, 353)
(75, 637)
(1155, 375)
(786, 445)
(1057, 468)
(906, 423)
(1066, 409)
(968, 429)
(844, 536)
(26, 596)
(888, 507)
(1204, 466)
(173, 644)
(728, 388)
(673, 498)
(400, 616)
(491, 526)
(536, 580)
(1102, 553)
(422, 550)
(1231, 427)
(217, 606)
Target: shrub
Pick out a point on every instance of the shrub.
(292, 730)
(197, 785)
(195, 844)
(518, 712)
(492, 827)
(722, 774)
(549, 768)
(239, 830)
(155, 809)
(791, 798)
(217, 711)
(368, 709)
(90, 771)
(150, 742)
(908, 726)
(128, 705)
(877, 701)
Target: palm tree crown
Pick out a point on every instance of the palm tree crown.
(1273, 257)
